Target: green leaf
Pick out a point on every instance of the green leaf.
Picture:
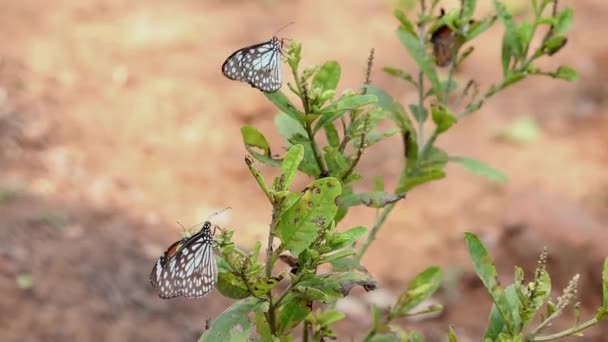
(342, 105)
(337, 162)
(327, 77)
(566, 73)
(288, 127)
(479, 27)
(254, 138)
(420, 113)
(375, 199)
(564, 21)
(262, 327)
(452, 335)
(328, 317)
(427, 168)
(336, 256)
(420, 288)
(480, 168)
(282, 102)
(417, 50)
(289, 166)
(394, 108)
(233, 324)
(552, 45)
(401, 74)
(482, 263)
(486, 271)
(346, 238)
(511, 45)
(332, 135)
(443, 118)
(291, 313)
(540, 292)
(526, 33)
(406, 25)
(315, 209)
(468, 9)
(605, 283)
(309, 164)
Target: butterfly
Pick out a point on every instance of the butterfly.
(188, 267)
(259, 65)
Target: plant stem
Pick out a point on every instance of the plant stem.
(421, 37)
(303, 91)
(372, 234)
(315, 149)
(567, 332)
(270, 316)
(258, 177)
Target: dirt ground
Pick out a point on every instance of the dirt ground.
(115, 122)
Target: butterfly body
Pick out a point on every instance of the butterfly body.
(188, 267)
(258, 65)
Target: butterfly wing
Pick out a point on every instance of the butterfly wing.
(259, 65)
(156, 273)
(192, 272)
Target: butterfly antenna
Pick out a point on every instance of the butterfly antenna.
(283, 27)
(217, 213)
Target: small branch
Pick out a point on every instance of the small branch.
(372, 234)
(359, 151)
(258, 177)
(421, 37)
(567, 332)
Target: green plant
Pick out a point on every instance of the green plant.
(326, 135)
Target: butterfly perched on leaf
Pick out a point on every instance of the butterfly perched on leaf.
(188, 267)
(259, 65)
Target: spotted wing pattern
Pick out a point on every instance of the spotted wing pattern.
(188, 267)
(259, 65)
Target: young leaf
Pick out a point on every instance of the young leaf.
(346, 238)
(406, 25)
(401, 74)
(282, 102)
(289, 166)
(253, 140)
(327, 77)
(417, 50)
(511, 46)
(442, 118)
(340, 106)
(480, 168)
(452, 335)
(376, 199)
(233, 324)
(336, 256)
(309, 164)
(468, 9)
(564, 21)
(314, 210)
(332, 135)
(565, 73)
(420, 288)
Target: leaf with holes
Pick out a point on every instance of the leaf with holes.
(316, 208)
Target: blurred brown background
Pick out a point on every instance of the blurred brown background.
(115, 122)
